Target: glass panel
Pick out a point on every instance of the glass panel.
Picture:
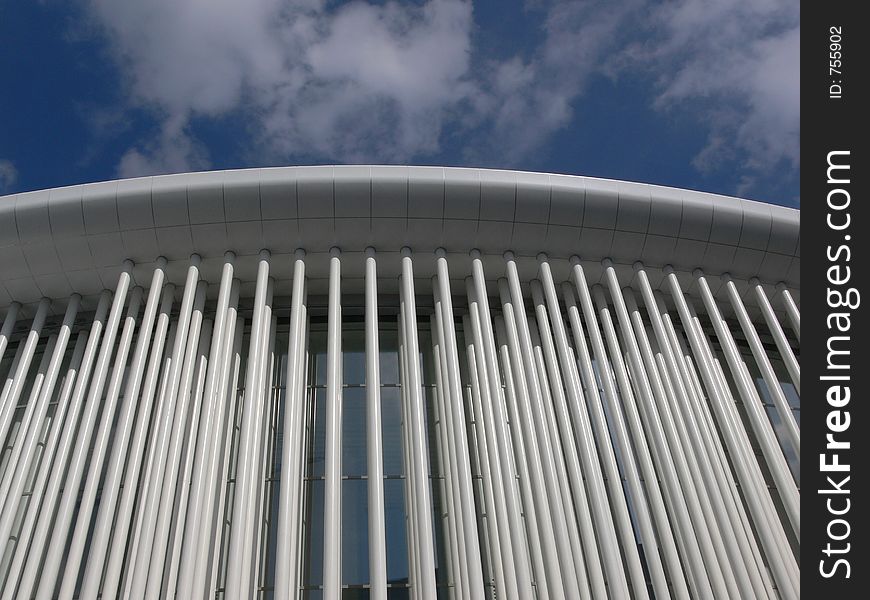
(312, 569)
(355, 594)
(397, 543)
(391, 429)
(353, 357)
(317, 439)
(353, 425)
(354, 532)
(389, 356)
(398, 593)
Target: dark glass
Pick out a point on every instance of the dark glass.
(353, 438)
(317, 439)
(354, 532)
(391, 430)
(397, 543)
(312, 569)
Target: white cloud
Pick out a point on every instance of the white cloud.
(381, 82)
(735, 66)
(8, 174)
(356, 83)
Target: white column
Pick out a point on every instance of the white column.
(374, 442)
(689, 429)
(530, 513)
(785, 351)
(167, 491)
(8, 326)
(223, 403)
(444, 308)
(66, 504)
(162, 430)
(556, 547)
(493, 412)
(205, 435)
(760, 354)
(332, 468)
(24, 453)
(681, 490)
(42, 468)
(758, 419)
(552, 392)
(620, 442)
(237, 578)
(770, 541)
(101, 443)
(12, 391)
(45, 514)
(791, 308)
(286, 571)
(417, 441)
(133, 458)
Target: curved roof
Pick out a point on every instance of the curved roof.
(54, 242)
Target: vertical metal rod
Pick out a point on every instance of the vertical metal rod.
(134, 459)
(286, 575)
(773, 520)
(210, 559)
(8, 326)
(459, 437)
(486, 475)
(763, 362)
(483, 414)
(112, 479)
(214, 451)
(66, 504)
(298, 402)
(251, 484)
(183, 493)
(426, 541)
(782, 575)
(620, 442)
(23, 454)
(42, 464)
(205, 434)
(167, 491)
(689, 430)
(791, 308)
(551, 390)
(561, 575)
(10, 394)
(236, 577)
(698, 414)
(374, 443)
(759, 421)
(333, 422)
(687, 462)
(585, 450)
(530, 513)
(497, 421)
(45, 511)
(408, 462)
(19, 434)
(458, 572)
(649, 453)
(163, 428)
(680, 483)
(100, 449)
(773, 324)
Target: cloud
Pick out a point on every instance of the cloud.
(734, 65)
(388, 82)
(8, 175)
(353, 83)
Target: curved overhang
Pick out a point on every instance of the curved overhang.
(74, 239)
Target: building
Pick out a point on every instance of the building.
(398, 382)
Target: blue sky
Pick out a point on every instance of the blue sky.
(701, 94)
